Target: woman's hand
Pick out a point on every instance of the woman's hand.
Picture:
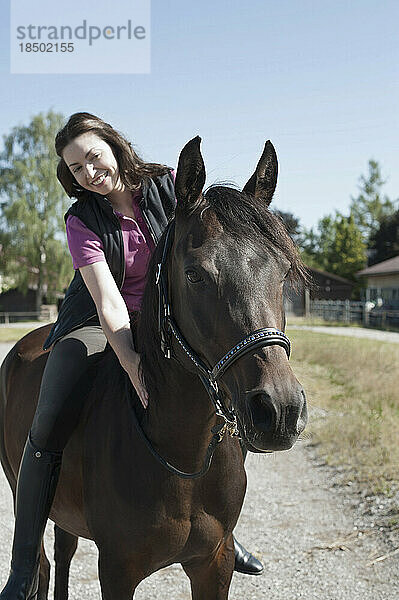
(132, 369)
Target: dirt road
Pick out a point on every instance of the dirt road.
(357, 332)
(313, 536)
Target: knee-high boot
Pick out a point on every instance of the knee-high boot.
(37, 482)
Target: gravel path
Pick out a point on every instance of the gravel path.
(4, 348)
(359, 332)
(316, 538)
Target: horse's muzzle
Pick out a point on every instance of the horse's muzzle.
(274, 424)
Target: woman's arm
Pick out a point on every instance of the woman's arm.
(114, 319)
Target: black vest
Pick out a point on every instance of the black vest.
(96, 212)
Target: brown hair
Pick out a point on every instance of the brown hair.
(132, 169)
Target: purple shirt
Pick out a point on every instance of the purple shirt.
(86, 248)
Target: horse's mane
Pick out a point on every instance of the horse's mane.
(246, 218)
(147, 327)
(109, 376)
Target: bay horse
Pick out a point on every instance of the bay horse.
(214, 289)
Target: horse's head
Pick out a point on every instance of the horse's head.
(229, 261)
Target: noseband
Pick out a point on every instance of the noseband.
(167, 327)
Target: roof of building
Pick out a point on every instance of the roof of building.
(331, 276)
(386, 267)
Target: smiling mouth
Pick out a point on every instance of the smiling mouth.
(99, 180)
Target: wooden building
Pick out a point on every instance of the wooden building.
(323, 286)
(15, 301)
(382, 282)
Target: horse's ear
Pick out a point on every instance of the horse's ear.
(190, 175)
(263, 182)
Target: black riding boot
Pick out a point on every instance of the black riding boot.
(245, 562)
(37, 481)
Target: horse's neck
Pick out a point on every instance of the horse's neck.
(179, 419)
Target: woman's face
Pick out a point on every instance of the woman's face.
(92, 163)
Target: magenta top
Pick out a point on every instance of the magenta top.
(86, 248)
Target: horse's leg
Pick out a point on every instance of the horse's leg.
(65, 545)
(211, 580)
(118, 575)
(44, 575)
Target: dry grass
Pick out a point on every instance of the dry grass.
(353, 391)
(13, 334)
(315, 320)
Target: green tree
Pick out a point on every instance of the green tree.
(384, 243)
(32, 238)
(336, 246)
(316, 243)
(370, 207)
(347, 253)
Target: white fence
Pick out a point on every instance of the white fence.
(350, 311)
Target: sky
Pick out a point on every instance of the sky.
(317, 78)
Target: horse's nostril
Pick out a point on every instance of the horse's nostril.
(262, 411)
(303, 417)
(296, 415)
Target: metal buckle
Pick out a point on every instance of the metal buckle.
(229, 427)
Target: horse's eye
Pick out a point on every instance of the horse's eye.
(193, 276)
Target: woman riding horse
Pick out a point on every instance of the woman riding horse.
(99, 168)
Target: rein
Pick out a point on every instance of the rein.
(209, 375)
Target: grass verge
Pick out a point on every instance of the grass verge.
(317, 321)
(353, 392)
(13, 334)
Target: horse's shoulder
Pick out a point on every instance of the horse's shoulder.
(30, 347)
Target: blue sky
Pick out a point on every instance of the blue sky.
(318, 78)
